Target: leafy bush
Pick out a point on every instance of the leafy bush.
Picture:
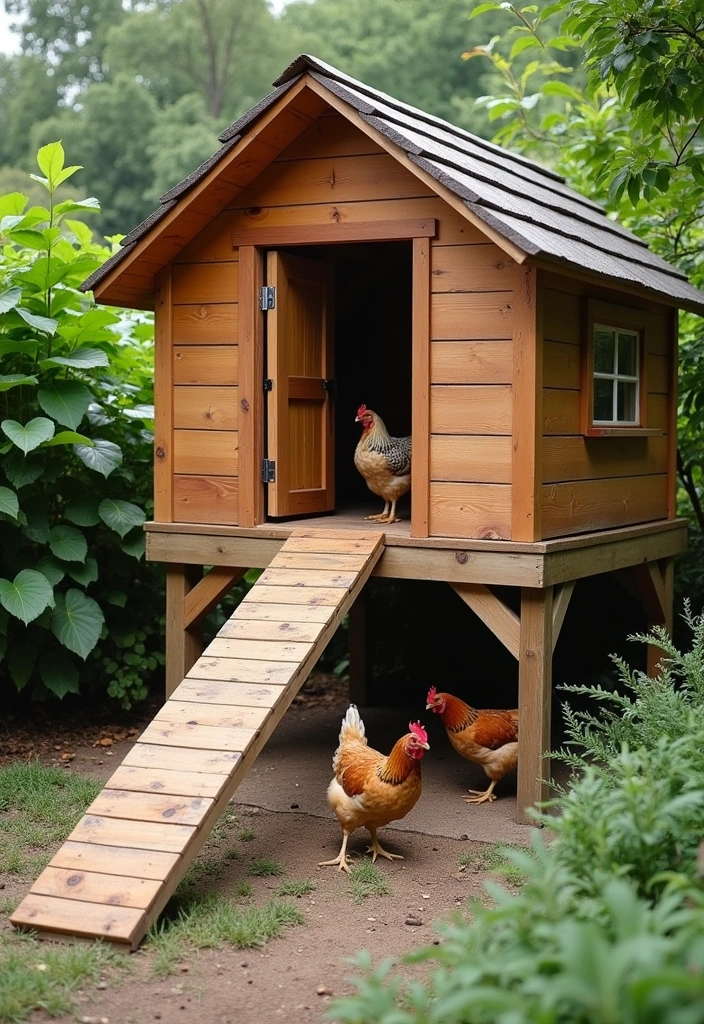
(609, 925)
(76, 390)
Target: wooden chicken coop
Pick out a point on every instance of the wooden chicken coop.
(342, 247)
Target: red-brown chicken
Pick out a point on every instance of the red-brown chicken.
(384, 462)
(487, 737)
(370, 790)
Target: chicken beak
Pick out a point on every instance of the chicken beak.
(425, 746)
(429, 707)
(357, 419)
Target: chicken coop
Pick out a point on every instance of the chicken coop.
(342, 247)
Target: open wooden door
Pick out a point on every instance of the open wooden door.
(300, 414)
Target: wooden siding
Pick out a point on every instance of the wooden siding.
(205, 375)
(595, 483)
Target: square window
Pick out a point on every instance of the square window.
(614, 367)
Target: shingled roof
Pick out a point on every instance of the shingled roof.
(528, 205)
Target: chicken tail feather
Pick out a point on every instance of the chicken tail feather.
(352, 726)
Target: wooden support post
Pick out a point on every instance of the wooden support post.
(498, 617)
(655, 586)
(534, 697)
(184, 645)
(420, 484)
(359, 654)
(208, 591)
(561, 601)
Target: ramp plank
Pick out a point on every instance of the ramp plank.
(115, 890)
(115, 860)
(120, 865)
(120, 803)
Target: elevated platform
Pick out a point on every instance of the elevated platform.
(122, 862)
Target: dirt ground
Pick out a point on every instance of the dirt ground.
(292, 978)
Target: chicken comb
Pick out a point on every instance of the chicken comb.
(362, 409)
(432, 694)
(418, 731)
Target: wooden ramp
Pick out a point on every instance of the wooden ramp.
(117, 870)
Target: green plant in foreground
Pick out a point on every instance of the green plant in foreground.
(263, 867)
(36, 976)
(245, 835)
(75, 409)
(365, 880)
(493, 858)
(301, 888)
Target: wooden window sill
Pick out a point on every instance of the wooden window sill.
(622, 432)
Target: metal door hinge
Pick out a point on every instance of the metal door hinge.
(267, 298)
(268, 384)
(329, 385)
(268, 471)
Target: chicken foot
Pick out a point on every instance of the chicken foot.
(377, 850)
(341, 860)
(386, 516)
(482, 796)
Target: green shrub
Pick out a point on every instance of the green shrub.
(76, 601)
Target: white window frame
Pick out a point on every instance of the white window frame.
(615, 377)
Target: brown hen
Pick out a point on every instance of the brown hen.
(384, 462)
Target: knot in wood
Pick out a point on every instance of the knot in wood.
(74, 879)
(160, 453)
(244, 405)
(462, 557)
(530, 653)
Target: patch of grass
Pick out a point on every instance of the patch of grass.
(7, 905)
(245, 835)
(496, 860)
(39, 806)
(366, 880)
(225, 822)
(301, 888)
(35, 976)
(232, 853)
(262, 867)
(244, 890)
(214, 921)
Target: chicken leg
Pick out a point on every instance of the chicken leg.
(482, 796)
(380, 517)
(377, 850)
(341, 859)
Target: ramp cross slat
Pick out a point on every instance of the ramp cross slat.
(114, 875)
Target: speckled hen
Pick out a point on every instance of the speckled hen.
(384, 462)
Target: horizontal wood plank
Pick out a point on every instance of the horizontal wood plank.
(212, 762)
(580, 506)
(196, 737)
(172, 810)
(329, 596)
(76, 917)
(206, 499)
(470, 510)
(252, 629)
(259, 650)
(475, 268)
(94, 887)
(471, 362)
(200, 283)
(206, 408)
(462, 458)
(255, 695)
(134, 834)
(330, 137)
(269, 612)
(275, 576)
(161, 780)
(318, 560)
(562, 365)
(475, 409)
(562, 316)
(239, 670)
(482, 315)
(583, 458)
(177, 712)
(561, 412)
(115, 860)
(207, 323)
(206, 364)
(206, 452)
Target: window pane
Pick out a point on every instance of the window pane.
(604, 342)
(603, 400)
(627, 348)
(626, 402)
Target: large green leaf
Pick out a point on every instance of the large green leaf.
(134, 545)
(83, 573)
(66, 401)
(20, 662)
(68, 544)
(29, 436)
(80, 359)
(21, 471)
(68, 437)
(27, 595)
(83, 511)
(77, 622)
(9, 298)
(50, 568)
(58, 674)
(120, 515)
(37, 526)
(103, 457)
(8, 502)
(40, 323)
(13, 380)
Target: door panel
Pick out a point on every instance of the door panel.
(299, 408)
